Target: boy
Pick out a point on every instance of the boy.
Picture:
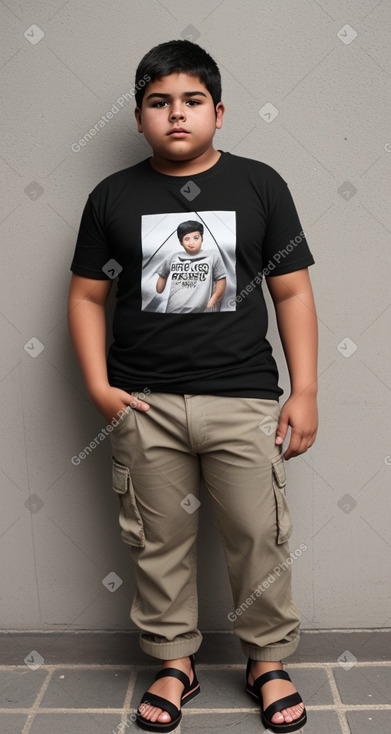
(212, 406)
(193, 276)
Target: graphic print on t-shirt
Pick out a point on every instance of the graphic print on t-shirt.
(189, 262)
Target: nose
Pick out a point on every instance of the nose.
(177, 111)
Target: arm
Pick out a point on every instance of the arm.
(297, 325)
(217, 293)
(87, 325)
(161, 284)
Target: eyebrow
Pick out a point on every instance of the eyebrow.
(167, 96)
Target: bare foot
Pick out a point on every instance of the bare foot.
(275, 689)
(169, 688)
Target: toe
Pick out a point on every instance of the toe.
(278, 718)
(288, 715)
(296, 711)
(281, 718)
(151, 713)
(164, 717)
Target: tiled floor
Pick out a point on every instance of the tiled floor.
(343, 696)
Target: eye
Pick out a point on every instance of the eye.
(162, 103)
(193, 102)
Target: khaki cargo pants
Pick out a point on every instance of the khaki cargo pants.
(159, 458)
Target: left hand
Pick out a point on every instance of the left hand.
(301, 413)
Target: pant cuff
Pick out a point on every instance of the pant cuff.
(271, 653)
(169, 650)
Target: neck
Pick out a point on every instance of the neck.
(185, 168)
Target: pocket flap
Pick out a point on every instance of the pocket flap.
(279, 471)
(284, 522)
(120, 477)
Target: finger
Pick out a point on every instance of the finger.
(300, 445)
(138, 404)
(281, 430)
(293, 448)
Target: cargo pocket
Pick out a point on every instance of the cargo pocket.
(284, 522)
(132, 529)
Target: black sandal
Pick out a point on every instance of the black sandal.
(283, 703)
(190, 690)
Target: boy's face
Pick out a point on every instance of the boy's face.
(178, 117)
(192, 242)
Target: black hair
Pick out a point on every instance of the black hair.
(189, 226)
(175, 57)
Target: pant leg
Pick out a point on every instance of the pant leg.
(244, 473)
(157, 479)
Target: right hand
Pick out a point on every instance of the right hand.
(111, 400)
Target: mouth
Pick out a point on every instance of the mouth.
(178, 132)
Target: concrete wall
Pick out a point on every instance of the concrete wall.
(325, 66)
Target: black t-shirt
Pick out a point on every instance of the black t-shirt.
(249, 229)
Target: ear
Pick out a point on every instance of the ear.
(137, 114)
(220, 109)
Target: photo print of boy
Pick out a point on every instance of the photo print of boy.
(197, 278)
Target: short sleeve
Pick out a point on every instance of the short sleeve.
(219, 269)
(92, 249)
(285, 247)
(164, 268)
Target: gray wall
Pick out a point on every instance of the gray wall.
(331, 141)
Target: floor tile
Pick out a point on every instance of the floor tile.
(76, 724)
(19, 688)
(364, 685)
(322, 722)
(221, 723)
(86, 689)
(12, 723)
(319, 722)
(369, 722)
(221, 689)
(73, 688)
(312, 684)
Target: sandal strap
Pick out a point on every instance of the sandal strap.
(271, 675)
(161, 703)
(283, 703)
(174, 673)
